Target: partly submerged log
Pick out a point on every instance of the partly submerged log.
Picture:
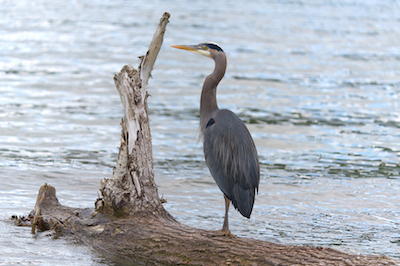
(157, 239)
(130, 221)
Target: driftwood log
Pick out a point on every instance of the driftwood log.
(129, 219)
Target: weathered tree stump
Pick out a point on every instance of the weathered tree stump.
(130, 221)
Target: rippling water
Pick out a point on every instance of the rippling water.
(316, 82)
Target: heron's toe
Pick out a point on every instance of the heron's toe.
(222, 232)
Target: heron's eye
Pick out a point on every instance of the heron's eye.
(206, 47)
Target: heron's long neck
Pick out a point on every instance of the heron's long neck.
(208, 102)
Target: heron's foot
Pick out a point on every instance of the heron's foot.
(222, 232)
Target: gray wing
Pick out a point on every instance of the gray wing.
(232, 158)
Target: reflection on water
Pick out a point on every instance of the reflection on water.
(316, 82)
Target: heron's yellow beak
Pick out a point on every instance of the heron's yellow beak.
(197, 49)
(190, 48)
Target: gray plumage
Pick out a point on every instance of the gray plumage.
(229, 149)
(232, 159)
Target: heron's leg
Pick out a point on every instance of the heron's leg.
(225, 227)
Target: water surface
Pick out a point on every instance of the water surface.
(316, 82)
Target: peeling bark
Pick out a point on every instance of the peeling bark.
(132, 187)
(130, 221)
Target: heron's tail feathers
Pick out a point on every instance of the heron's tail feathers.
(243, 199)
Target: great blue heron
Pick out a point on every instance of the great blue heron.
(229, 149)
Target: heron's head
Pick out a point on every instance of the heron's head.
(208, 49)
